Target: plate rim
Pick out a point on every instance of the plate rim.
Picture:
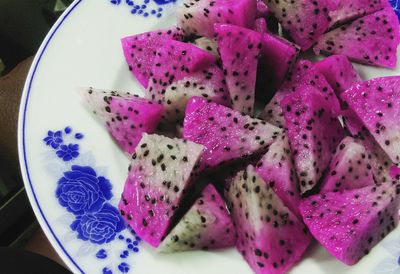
(40, 216)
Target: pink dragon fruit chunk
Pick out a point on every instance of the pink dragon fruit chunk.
(339, 72)
(199, 16)
(125, 116)
(207, 225)
(173, 62)
(270, 237)
(378, 159)
(305, 20)
(208, 83)
(376, 103)
(313, 131)
(260, 25)
(370, 40)
(226, 134)
(278, 56)
(139, 51)
(239, 49)
(350, 168)
(350, 223)
(159, 175)
(276, 169)
(303, 73)
(349, 10)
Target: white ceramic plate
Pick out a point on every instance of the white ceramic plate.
(66, 157)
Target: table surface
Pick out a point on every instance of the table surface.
(11, 86)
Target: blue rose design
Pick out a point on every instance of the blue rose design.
(99, 227)
(53, 139)
(80, 190)
(68, 152)
(395, 4)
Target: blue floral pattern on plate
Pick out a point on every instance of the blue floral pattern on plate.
(145, 8)
(86, 195)
(396, 6)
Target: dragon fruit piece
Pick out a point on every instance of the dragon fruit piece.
(239, 49)
(159, 175)
(262, 9)
(208, 44)
(376, 103)
(208, 83)
(139, 51)
(174, 61)
(350, 168)
(304, 73)
(305, 20)
(276, 169)
(339, 72)
(260, 25)
(199, 16)
(313, 131)
(370, 40)
(272, 112)
(378, 159)
(207, 225)
(125, 116)
(226, 134)
(350, 223)
(349, 10)
(270, 237)
(278, 56)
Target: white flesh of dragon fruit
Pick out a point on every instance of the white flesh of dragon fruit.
(350, 168)
(276, 168)
(207, 225)
(208, 44)
(208, 83)
(125, 116)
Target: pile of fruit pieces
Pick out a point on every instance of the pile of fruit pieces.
(319, 161)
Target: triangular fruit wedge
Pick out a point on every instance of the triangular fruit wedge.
(159, 175)
(239, 49)
(226, 134)
(140, 51)
(270, 237)
(350, 223)
(370, 40)
(313, 132)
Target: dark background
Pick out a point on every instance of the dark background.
(23, 26)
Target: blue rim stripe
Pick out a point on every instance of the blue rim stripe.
(59, 23)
